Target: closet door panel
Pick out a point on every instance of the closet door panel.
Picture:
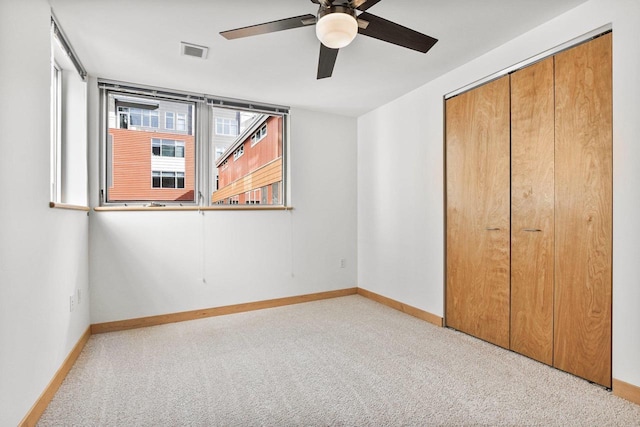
(583, 209)
(478, 204)
(532, 211)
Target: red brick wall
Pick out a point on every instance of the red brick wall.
(268, 149)
(131, 167)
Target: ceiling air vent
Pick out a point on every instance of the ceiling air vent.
(190, 49)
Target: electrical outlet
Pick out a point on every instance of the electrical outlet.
(72, 302)
(343, 262)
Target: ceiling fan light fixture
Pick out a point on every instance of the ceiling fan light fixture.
(337, 26)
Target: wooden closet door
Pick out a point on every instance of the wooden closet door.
(477, 176)
(583, 209)
(532, 210)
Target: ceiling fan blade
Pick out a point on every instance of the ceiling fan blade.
(270, 27)
(391, 32)
(363, 4)
(327, 61)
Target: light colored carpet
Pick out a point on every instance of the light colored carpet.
(346, 361)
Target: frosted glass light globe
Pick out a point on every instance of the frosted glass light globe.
(336, 30)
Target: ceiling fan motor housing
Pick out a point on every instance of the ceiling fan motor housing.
(337, 26)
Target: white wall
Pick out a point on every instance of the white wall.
(148, 263)
(400, 176)
(43, 251)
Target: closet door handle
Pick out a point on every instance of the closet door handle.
(532, 230)
(492, 228)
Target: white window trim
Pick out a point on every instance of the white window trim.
(225, 122)
(258, 135)
(175, 177)
(152, 113)
(239, 152)
(176, 144)
(183, 117)
(56, 132)
(174, 120)
(201, 131)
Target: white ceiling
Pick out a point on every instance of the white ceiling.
(139, 42)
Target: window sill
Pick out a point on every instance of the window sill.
(190, 208)
(69, 207)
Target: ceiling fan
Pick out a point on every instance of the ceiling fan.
(337, 24)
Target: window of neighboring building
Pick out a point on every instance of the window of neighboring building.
(226, 126)
(259, 135)
(167, 147)
(169, 120)
(135, 116)
(252, 197)
(145, 118)
(238, 153)
(167, 179)
(275, 191)
(181, 122)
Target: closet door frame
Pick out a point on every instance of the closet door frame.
(604, 30)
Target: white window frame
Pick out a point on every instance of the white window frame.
(203, 131)
(151, 114)
(166, 117)
(56, 132)
(176, 143)
(259, 135)
(224, 123)
(238, 152)
(134, 112)
(181, 117)
(67, 124)
(176, 175)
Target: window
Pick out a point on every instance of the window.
(141, 149)
(152, 118)
(135, 116)
(167, 147)
(167, 179)
(68, 123)
(194, 149)
(219, 152)
(56, 138)
(275, 195)
(181, 122)
(226, 126)
(259, 135)
(238, 153)
(141, 117)
(252, 197)
(259, 178)
(169, 120)
(123, 118)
